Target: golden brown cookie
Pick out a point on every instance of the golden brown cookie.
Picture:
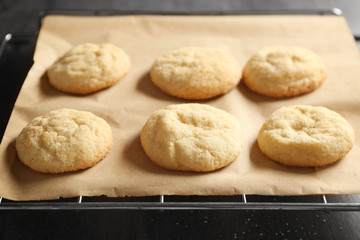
(284, 71)
(196, 73)
(305, 136)
(88, 68)
(64, 140)
(192, 137)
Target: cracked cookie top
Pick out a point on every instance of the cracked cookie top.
(305, 136)
(192, 137)
(88, 68)
(284, 71)
(64, 140)
(196, 73)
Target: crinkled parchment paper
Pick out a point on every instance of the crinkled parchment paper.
(127, 171)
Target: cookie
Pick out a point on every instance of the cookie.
(64, 140)
(305, 136)
(284, 71)
(88, 68)
(192, 137)
(196, 73)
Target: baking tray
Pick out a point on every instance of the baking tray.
(16, 52)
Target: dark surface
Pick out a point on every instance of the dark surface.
(134, 224)
(21, 18)
(21, 15)
(15, 61)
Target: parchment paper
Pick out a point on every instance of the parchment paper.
(127, 171)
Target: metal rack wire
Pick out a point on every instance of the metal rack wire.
(162, 202)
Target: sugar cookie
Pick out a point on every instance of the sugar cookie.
(64, 140)
(192, 137)
(88, 68)
(305, 136)
(284, 71)
(196, 73)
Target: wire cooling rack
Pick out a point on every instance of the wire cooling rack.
(12, 76)
(239, 202)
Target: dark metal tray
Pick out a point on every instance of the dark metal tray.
(16, 52)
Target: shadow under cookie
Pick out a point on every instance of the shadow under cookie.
(50, 91)
(47, 89)
(134, 154)
(260, 161)
(259, 98)
(146, 86)
(22, 174)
